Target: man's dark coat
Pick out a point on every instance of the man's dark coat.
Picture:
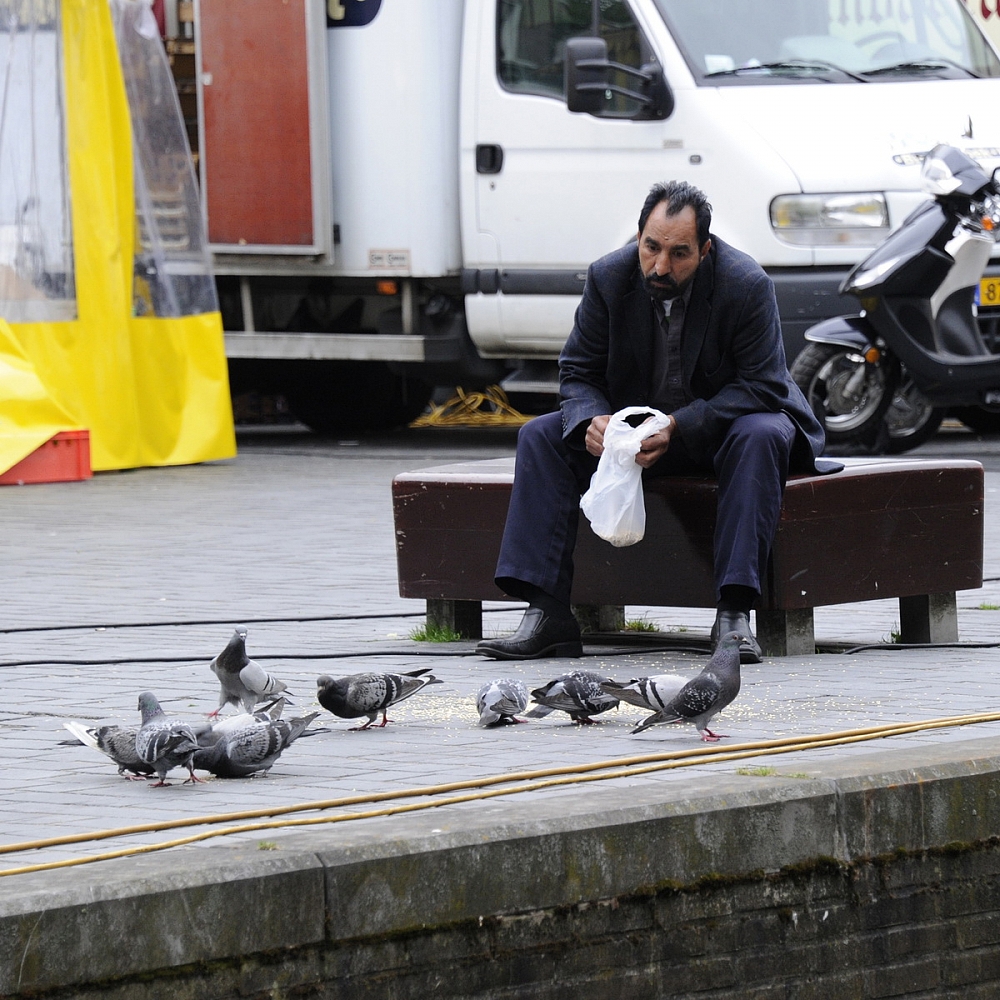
(732, 353)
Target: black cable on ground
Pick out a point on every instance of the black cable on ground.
(358, 654)
(233, 621)
(923, 645)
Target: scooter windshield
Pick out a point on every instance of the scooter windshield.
(733, 42)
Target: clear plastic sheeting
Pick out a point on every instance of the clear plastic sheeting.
(36, 247)
(151, 389)
(172, 275)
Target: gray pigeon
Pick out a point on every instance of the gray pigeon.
(499, 701)
(116, 742)
(210, 732)
(707, 694)
(369, 693)
(162, 742)
(243, 681)
(654, 692)
(253, 745)
(578, 693)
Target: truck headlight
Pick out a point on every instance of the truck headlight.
(830, 219)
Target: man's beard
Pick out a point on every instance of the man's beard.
(663, 287)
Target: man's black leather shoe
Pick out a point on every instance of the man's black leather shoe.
(538, 635)
(737, 621)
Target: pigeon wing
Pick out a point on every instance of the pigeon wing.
(697, 697)
(258, 681)
(402, 686)
(502, 698)
(368, 693)
(586, 688)
(654, 692)
(555, 696)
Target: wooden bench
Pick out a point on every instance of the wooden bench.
(882, 528)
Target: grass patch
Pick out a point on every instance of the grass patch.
(266, 845)
(640, 625)
(434, 633)
(987, 606)
(894, 634)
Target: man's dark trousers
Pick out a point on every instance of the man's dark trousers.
(751, 466)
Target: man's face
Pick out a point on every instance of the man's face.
(669, 253)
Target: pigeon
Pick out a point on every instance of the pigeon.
(116, 742)
(707, 694)
(578, 693)
(251, 745)
(243, 681)
(210, 732)
(369, 693)
(162, 742)
(499, 701)
(654, 692)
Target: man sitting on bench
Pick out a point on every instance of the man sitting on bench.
(685, 323)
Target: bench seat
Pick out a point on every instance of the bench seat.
(881, 528)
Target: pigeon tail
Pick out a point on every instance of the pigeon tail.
(538, 712)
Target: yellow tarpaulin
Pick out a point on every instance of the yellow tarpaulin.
(151, 390)
(29, 416)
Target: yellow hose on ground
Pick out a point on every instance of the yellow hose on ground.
(489, 408)
(545, 778)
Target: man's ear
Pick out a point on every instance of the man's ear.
(706, 246)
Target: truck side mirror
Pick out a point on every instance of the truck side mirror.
(657, 91)
(587, 74)
(588, 81)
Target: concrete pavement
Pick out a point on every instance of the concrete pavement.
(294, 529)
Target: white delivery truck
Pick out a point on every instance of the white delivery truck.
(407, 193)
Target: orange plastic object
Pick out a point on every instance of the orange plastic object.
(61, 459)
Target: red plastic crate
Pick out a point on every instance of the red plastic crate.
(61, 459)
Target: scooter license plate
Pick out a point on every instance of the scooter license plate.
(989, 292)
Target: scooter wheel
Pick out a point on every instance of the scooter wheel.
(849, 395)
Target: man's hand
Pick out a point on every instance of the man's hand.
(655, 446)
(650, 451)
(594, 441)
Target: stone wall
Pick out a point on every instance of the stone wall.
(867, 879)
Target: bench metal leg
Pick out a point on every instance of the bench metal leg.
(786, 633)
(599, 617)
(463, 617)
(928, 618)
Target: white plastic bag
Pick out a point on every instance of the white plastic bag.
(614, 501)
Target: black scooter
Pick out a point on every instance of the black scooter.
(882, 380)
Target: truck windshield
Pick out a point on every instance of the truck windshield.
(741, 42)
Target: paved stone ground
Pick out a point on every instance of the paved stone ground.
(294, 529)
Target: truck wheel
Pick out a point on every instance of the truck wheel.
(849, 396)
(978, 418)
(338, 397)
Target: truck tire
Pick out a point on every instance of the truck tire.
(347, 397)
(978, 418)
